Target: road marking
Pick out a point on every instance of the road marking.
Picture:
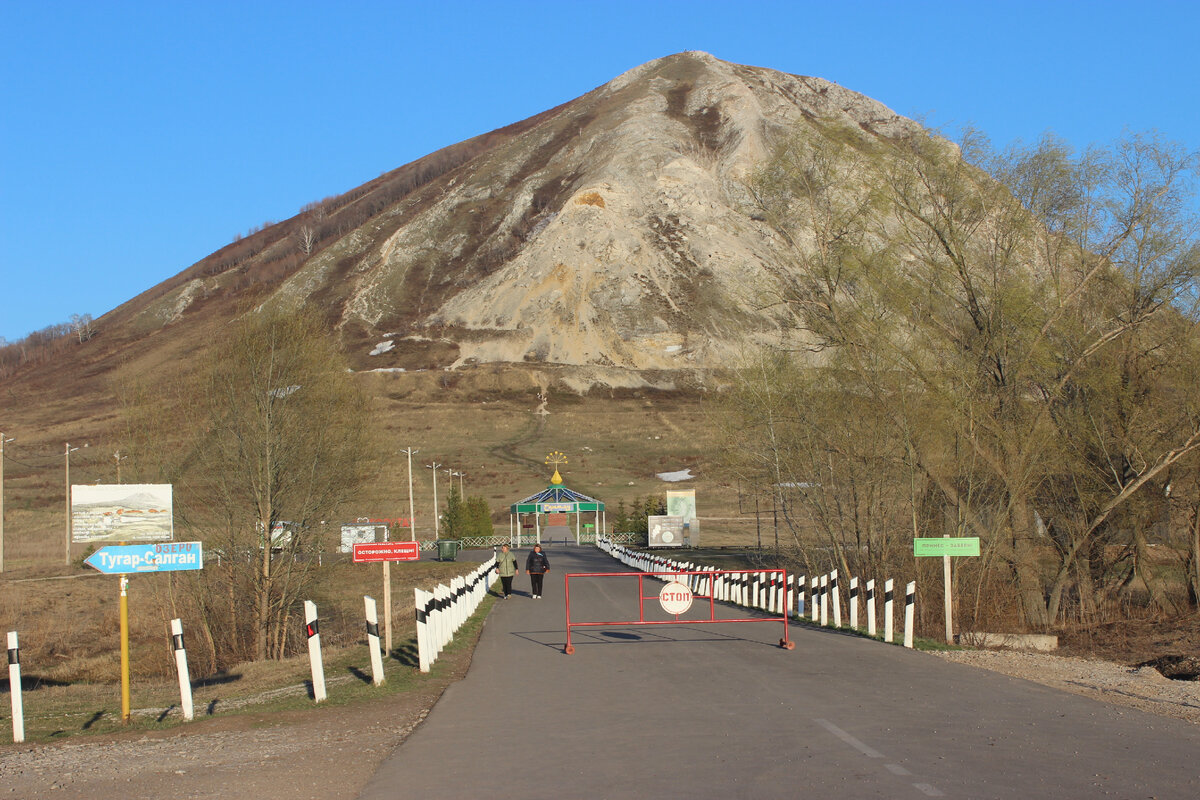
(929, 790)
(848, 739)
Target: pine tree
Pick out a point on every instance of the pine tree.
(454, 521)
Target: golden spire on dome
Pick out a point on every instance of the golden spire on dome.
(556, 458)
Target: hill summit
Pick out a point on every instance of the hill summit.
(610, 232)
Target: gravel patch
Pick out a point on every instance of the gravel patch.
(1143, 688)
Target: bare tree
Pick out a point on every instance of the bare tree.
(1027, 342)
(275, 438)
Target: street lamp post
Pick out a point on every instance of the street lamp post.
(2, 441)
(435, 467)
(412, 519)
(67, 450)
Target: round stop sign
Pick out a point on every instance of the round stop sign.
(676, 598)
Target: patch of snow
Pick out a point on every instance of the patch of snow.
(283, 392)
(674, 348)
(675, 477)
(383, 347)
(388, 369)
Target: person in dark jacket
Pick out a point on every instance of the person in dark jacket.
(537, 565)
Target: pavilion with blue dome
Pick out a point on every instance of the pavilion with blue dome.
(556, 501)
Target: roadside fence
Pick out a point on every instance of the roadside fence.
(443, 611)
(765, 591)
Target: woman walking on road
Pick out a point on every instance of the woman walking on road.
(537, 565)
(506, 567)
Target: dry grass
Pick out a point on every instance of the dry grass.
(591, 199)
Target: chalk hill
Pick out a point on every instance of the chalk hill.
(610, 233)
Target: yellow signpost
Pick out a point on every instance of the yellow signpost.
(124, 649)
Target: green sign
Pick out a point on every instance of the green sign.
(946, 546)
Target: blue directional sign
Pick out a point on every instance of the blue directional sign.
(159, 557)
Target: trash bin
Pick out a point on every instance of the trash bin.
(447, 549)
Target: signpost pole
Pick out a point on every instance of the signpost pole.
(946, 594)
(124, 650)
(387, 607)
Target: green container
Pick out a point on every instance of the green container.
(447, 549)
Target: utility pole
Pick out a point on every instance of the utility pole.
(67, 450)
(117, 457)
(435, 467)
(2, 441)
(412, 519)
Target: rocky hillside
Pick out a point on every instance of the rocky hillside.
(610, 233)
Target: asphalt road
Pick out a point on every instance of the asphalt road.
(722, 711)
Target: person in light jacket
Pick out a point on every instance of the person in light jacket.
(506, 567)
(537, 565)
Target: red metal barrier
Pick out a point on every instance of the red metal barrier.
(708, 578)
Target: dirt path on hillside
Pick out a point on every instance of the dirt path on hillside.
(533, 431)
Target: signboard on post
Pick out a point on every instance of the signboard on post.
(122, 512)
(947, 546)
(141, 558)
(682, 503)
(387, 551)
(664, 531)
(358, 534)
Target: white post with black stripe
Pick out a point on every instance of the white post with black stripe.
(854, 603)
(424, 606)
(312, 630)
(181, 667)
(801, 584)
(814, 591)
(888, 628)
(824, 600)
(14, 687)
(836, 599)
(910, 599)
(790, 604)
(441, 625)
(373, 639)
(871, 607)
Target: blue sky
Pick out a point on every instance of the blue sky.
(136, 138)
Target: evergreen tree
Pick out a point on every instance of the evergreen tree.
(621, 521)
(478, 517)
(454, 520)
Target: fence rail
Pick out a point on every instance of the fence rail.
(443, 611)
(766, 591)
